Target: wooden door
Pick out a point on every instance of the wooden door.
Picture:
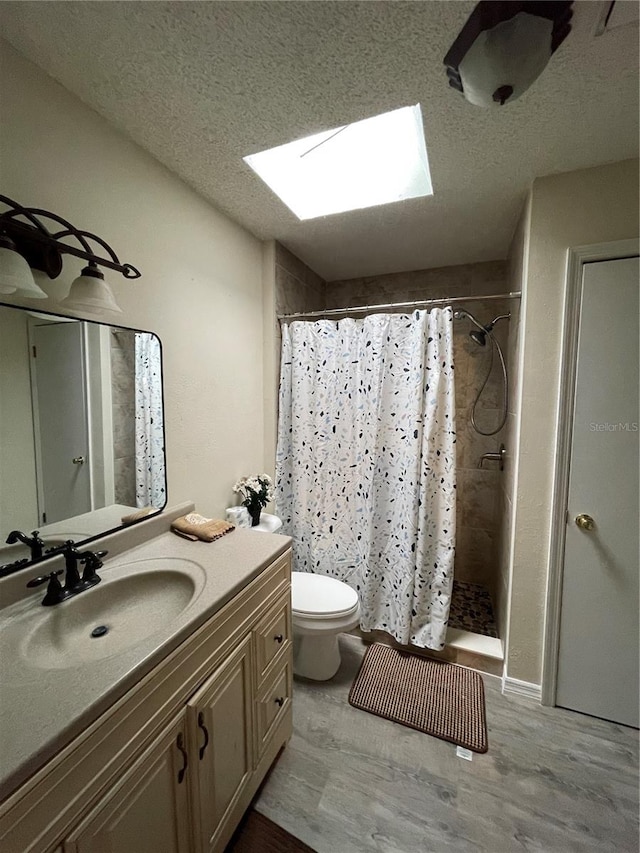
(220, 728)
(598, 656)
(148, 810)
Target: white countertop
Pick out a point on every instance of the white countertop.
(42, 709)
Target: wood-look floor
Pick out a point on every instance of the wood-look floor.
(553, 780)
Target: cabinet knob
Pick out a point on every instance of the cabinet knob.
(278, 638)
(279, 701)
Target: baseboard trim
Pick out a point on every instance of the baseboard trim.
(521, 688)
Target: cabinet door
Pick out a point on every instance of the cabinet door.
(220, 728)
(148, 810)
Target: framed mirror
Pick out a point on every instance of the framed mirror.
(82, 446)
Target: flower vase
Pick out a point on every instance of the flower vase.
(254, 512)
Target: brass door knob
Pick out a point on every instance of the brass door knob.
(585, 522)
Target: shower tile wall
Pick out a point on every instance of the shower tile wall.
(478, 504)
(478, 519)
(463, 280)
(123, 412)
(507, 481)
(298, 288)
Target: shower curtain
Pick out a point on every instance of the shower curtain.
(365, 472)
(149, 432)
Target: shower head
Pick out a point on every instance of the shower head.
(478, 337)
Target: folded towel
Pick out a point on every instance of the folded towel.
(138, 514)
(195, 526)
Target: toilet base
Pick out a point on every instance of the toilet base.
(316, 657)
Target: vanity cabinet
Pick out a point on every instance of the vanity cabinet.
(172, 766)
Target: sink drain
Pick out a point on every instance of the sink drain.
(100, 631)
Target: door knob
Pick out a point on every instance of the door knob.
(585, 522)
(78, 460)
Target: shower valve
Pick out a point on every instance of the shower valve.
(500, 456)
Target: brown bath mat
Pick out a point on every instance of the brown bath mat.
(436, 698)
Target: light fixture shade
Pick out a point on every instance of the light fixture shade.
(511, 55)
(504, 47)
(16, 276)
(55, 288)
(90, 292)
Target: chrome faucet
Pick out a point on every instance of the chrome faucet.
(73, 584)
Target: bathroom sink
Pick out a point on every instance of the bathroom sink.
(133, 601)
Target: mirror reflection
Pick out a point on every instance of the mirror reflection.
(81, 429)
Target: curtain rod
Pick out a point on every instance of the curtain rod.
(364, 309)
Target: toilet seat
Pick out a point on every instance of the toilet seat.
(321, 597)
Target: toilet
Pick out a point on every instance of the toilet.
(321, 607)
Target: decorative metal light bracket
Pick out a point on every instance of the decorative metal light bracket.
(43, 249)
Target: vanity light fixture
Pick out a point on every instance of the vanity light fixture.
(504, 47)
(31, 245)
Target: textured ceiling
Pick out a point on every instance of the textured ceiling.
(201, 84)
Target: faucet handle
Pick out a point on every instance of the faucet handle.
(43, 578)
(36, 545)
(93, 558)
(55, 593)
(92, 562)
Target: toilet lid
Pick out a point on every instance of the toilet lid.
(319, 595)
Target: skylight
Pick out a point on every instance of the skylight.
(375, 161)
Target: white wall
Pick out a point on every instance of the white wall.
(201, 288)
(515, 278)
(271, 356)
(573, 209)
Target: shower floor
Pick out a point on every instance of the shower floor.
(471, 609)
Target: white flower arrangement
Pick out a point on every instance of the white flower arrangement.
(256, 491)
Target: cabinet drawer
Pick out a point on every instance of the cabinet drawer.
(272, 635)
(273, 704)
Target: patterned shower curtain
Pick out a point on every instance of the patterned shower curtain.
(366, 461)
(150, 466)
